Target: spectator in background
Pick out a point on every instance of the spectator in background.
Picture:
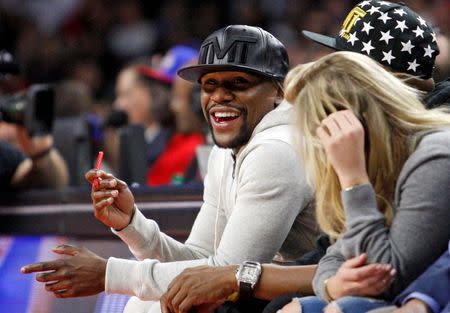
(177, 163)
(143, 93)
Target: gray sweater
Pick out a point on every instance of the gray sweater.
(420, 231)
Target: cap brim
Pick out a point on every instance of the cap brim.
(195, 72)
(327, 41)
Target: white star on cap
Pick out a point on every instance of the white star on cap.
(400, 12)
(364, 3)
(407, 46)
(367, 27)
(428, 52)
(418, 31)
(388, 57)
(413, 65)
(352, 39)
(367, 47)
(386, 36)
(374, 9)
(434, 37)
(421, 21)
(401, 25)
(384, 3)
(384, 17)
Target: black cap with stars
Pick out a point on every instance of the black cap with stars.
(390, 33)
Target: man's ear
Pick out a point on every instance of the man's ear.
(279, 96)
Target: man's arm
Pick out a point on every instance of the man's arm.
(207, 286)
(432, 287)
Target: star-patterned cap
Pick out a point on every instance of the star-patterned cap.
(390, 33)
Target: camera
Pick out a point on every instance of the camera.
(33, 109)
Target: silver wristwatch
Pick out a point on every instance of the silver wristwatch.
(247, 276)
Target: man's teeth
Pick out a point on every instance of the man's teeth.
(226, 114)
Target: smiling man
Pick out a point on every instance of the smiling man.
(257, 203)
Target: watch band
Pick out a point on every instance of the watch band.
(245, 290)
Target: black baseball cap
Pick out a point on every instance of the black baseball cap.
(390, 33)
(240, 48)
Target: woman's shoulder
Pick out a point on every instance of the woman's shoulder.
(433, 145)
(438, 137)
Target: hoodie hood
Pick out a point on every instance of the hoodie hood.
(281, 115)
(275, 125)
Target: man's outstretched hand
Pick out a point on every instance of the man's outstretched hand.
(113, 201)
(81, 274)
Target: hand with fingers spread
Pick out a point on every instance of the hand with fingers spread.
(113, 201)
(355, 278)
(342, 136)
(81, 274)
(203, 288)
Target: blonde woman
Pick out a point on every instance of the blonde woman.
(380, 165)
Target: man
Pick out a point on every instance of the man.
(395, 36)
(256, 199)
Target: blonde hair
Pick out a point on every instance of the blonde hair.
(391, 112)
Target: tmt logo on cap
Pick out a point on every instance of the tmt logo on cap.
(240, 48)
(236, 47)
(355, 14)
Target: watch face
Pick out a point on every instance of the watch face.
(249, 274)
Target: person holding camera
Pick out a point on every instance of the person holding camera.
(36, 164)
(27, 156)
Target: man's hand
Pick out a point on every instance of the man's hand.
(81, 274)
(414, 306)
(342, 136)
(203, 287)
(113, 201)
(354, 278)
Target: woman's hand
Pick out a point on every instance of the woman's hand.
(342, 136)
(355, 278)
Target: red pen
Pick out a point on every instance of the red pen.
(98, 165)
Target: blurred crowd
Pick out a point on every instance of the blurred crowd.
(113, 65)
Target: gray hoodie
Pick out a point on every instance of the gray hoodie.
(264, 207)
